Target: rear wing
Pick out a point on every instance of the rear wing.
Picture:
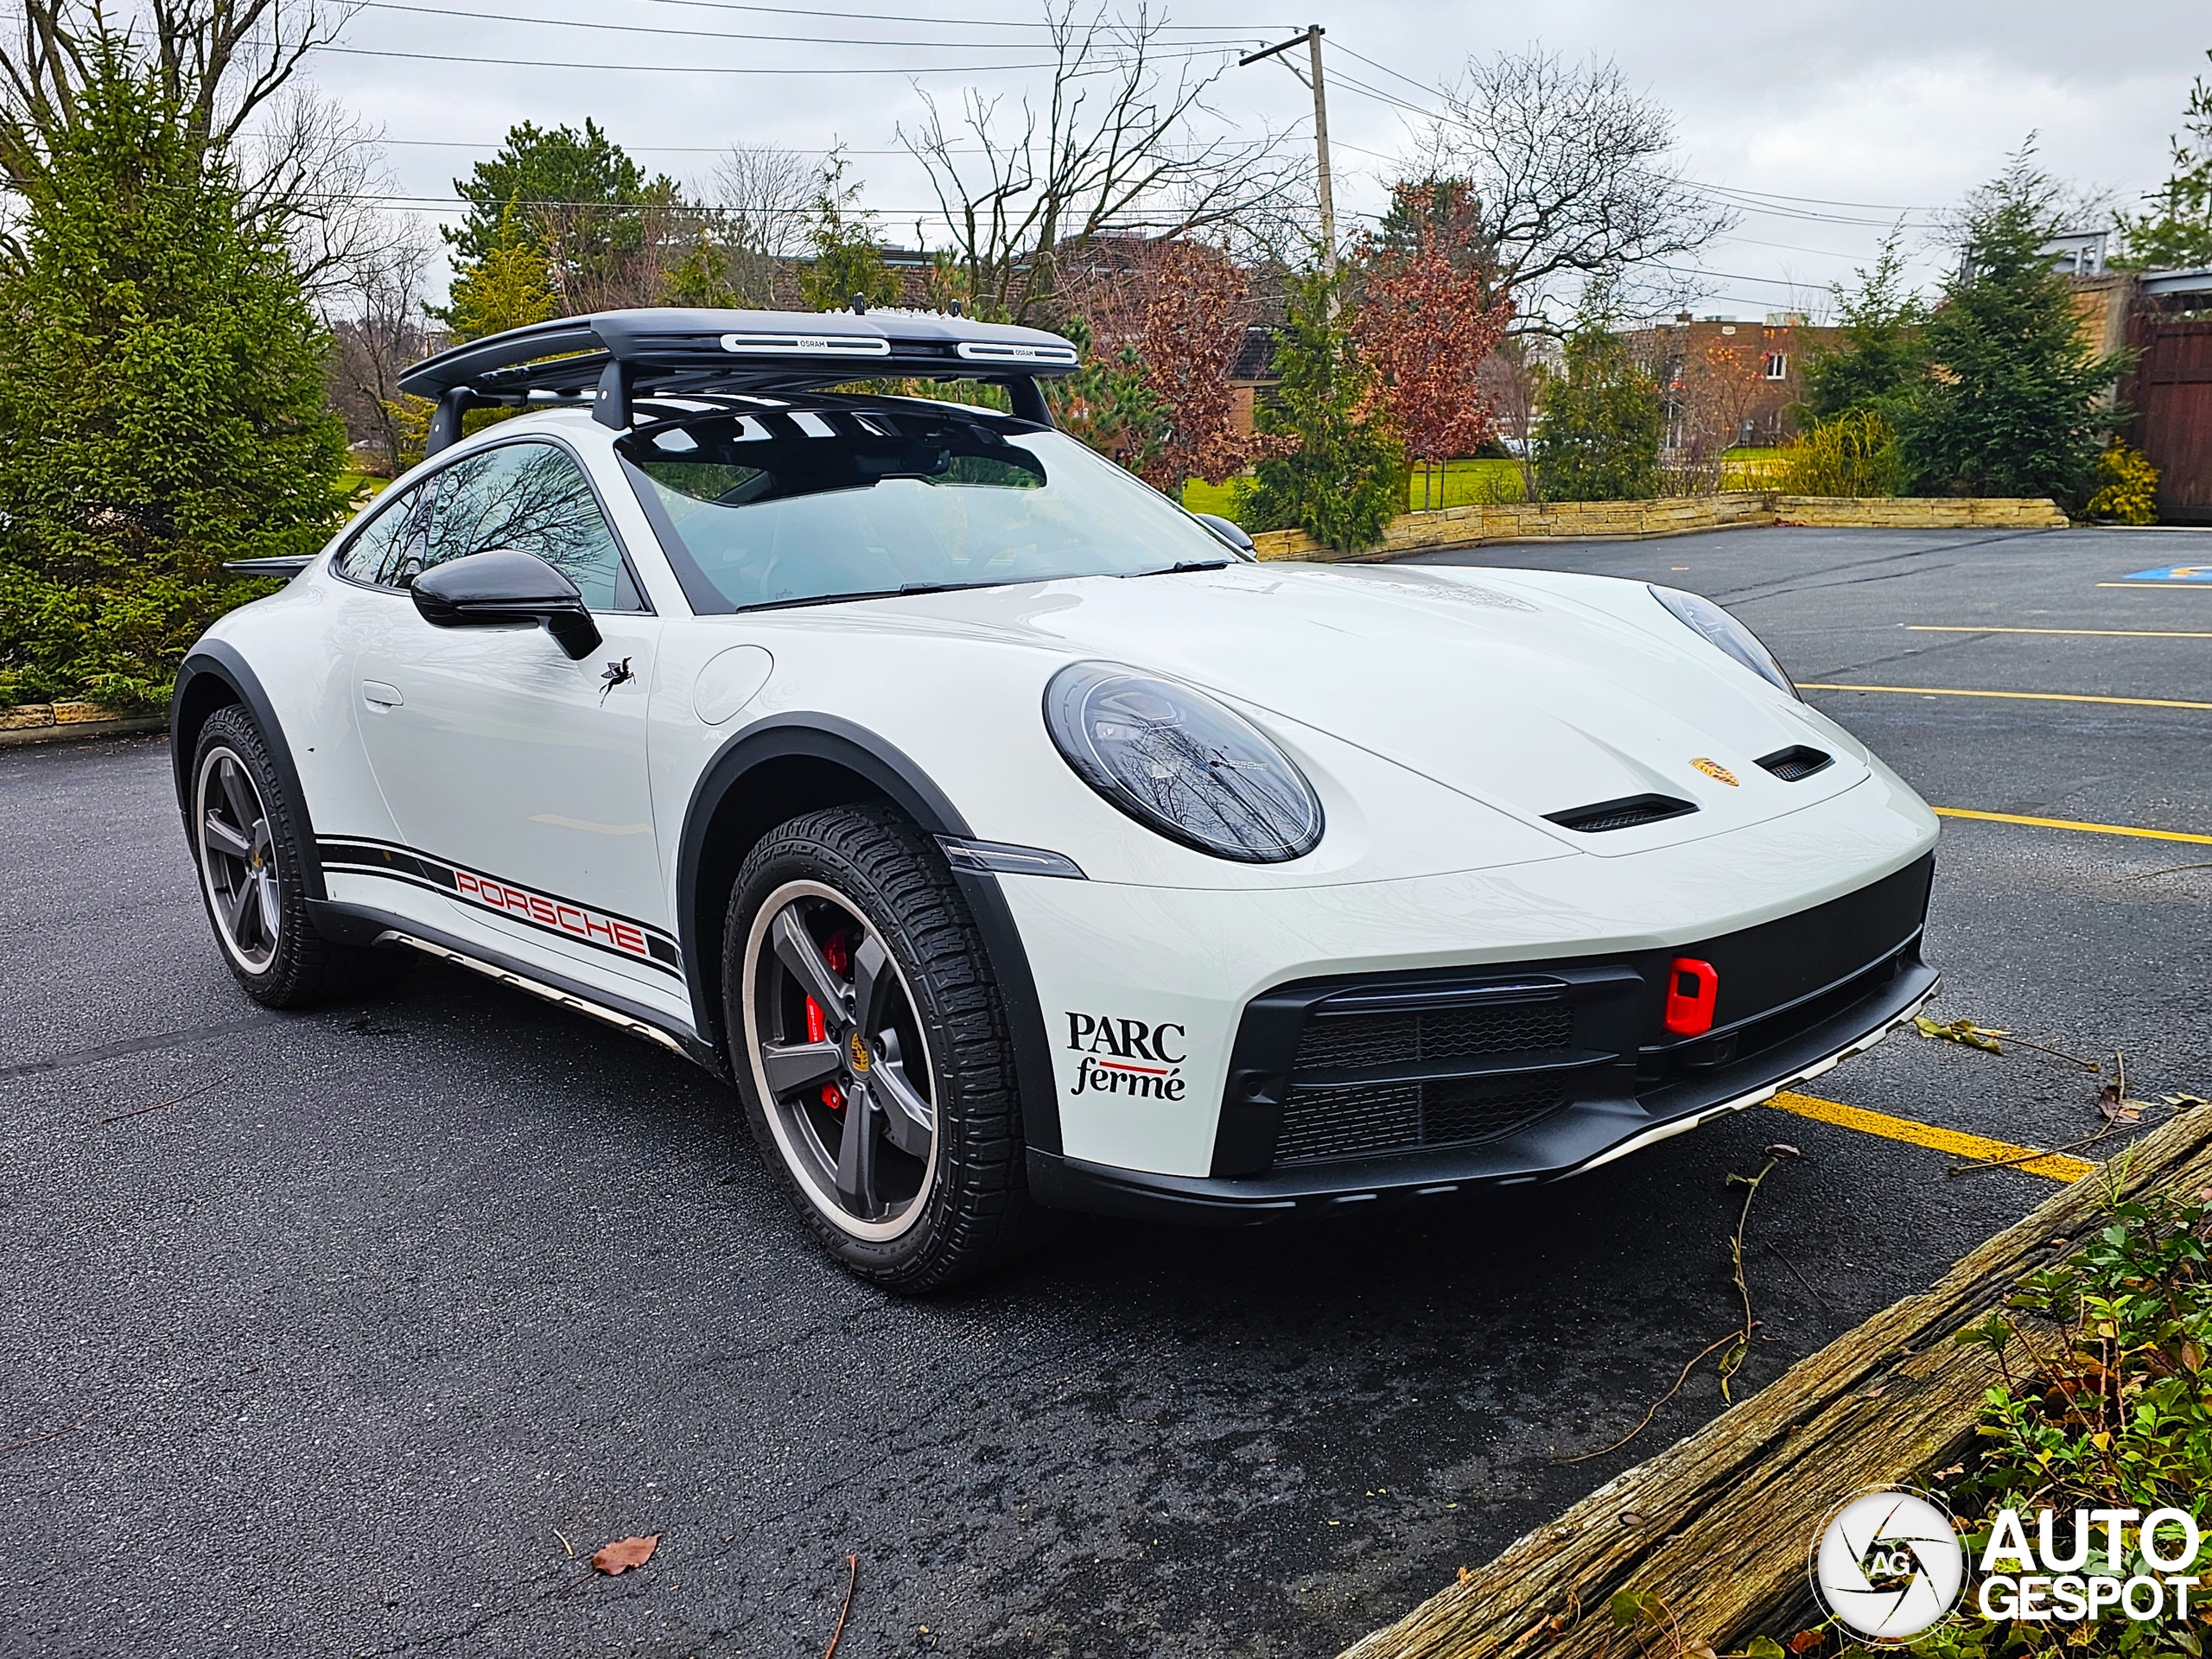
(615, 357)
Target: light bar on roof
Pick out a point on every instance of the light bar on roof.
(806, 344)
(992, 350)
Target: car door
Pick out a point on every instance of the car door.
(519, 774)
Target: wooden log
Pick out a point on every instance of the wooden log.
(1719, 1526)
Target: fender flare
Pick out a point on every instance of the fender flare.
(220, 660)
(882, 765)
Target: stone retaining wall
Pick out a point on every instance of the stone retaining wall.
(1669, 516)
(46, 722)
(1918, 511)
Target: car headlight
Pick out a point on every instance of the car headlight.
(1182, 764)
(1702, 616)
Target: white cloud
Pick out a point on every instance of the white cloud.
(1896, 102)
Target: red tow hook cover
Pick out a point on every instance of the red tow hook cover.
(1692, 988)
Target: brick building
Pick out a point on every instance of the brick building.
(1729, 382)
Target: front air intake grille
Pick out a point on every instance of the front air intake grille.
(1799, 760)
(1344, 1041)
(1327, 1124)
(1623, 814)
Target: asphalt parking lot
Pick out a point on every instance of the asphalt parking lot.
(335, 1333)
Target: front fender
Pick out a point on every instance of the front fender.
(721, 821)
(213, 673)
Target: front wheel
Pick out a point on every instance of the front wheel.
(870, 1044)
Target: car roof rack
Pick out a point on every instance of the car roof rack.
(615, 356)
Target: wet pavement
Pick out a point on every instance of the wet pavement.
(334, 1333)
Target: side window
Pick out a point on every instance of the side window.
(386, 544)
(533, 498)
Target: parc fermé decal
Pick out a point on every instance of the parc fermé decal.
(1128, 1056)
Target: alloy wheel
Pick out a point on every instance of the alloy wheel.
(840, 1061)
(238, 860)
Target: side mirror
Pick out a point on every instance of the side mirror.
(1227, 529)
(504, 585)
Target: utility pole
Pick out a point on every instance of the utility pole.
(1312, 38)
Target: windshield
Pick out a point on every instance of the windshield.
(782, 506)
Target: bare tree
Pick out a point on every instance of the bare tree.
(1714, 397)
(594, 270)
(1512, 379)
(759, 221)
(306, 168)
(219, 62)
(1569, 173)
(313, 171)
(377, 319)
(1116, 147)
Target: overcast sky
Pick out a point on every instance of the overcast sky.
(1825, 121)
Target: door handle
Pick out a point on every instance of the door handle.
(378, 695)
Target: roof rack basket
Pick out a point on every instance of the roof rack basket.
(616, 357)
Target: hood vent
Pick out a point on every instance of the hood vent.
(1796, 762)
(1623, 814)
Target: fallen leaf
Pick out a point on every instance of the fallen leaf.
(2119, 1108)
(1962, 1031)
(1782, 1149)
(2184, 1103)
(625, 1554)
(1805, 1641)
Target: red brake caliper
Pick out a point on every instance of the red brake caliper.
(817, 1024)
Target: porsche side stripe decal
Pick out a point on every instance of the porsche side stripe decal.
(619, 935)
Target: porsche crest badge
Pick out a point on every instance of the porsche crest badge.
(1715, 769)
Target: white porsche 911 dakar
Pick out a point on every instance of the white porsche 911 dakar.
(1010, 836)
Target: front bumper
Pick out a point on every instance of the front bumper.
(1521, 1073)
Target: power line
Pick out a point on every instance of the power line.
(1743, 200)
(1418, 86)
(655, 149)
(1725, 189)
(959, 22)
(494, 145)
(1823, 201)
(718, 69)
(465, 204)
(724, 34)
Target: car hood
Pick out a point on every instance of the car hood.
(1534, 692)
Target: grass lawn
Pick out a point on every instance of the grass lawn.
(1752, 467)
(1466, 483)
(1459, 483)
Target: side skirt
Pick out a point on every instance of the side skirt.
(359, 926)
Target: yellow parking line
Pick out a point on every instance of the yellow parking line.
(2056, 1165)
(2098, 634)
(2166, 587)
(2073, 824)
(2026, 696)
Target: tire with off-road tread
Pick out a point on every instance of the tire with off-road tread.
(248, 847)
(871, 1046)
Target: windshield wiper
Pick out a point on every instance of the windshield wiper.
(872, 593)
(1187, 564)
